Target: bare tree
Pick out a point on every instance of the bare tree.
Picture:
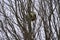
(30, 19)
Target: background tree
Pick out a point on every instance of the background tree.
(29, 19)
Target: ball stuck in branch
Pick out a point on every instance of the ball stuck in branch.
(32, 16)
